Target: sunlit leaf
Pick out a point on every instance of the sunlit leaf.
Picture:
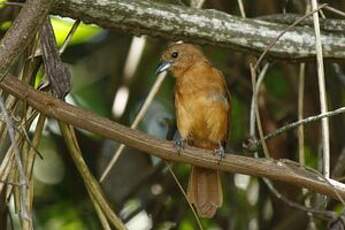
(84, 32)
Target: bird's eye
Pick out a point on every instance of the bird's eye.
(174, 55)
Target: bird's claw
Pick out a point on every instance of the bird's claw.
(180, 144)
(220, 153)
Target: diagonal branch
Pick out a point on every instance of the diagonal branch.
(213, 27)
(275, 170)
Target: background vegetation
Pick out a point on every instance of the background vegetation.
(139, 187)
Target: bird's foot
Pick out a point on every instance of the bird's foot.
(220, 153)
(180, 145)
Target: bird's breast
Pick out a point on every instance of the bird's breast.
(206, 115)
(202, 105)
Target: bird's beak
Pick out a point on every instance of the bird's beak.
(163, 66)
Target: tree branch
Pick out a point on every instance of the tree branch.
(22, 31)
(306, 120)
(212, 27)
(275, 170)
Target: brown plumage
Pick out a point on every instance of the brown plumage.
(202, 103)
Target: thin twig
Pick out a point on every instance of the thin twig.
(19, 4)
(102, 218)
(261, 133)
(22, 177)
(69, 36)
(254, 110)
(322, 15)
(11, 183)
(304, 121)
(5, 166)
(276, 39)
(257, 87)
(334, 10)
(327, 25)
(301, 154)
(30, 150)
(252, 130)
(32, 146)
(197, 3)
(300, 113)
(10, 105)
(21, 130)
(322, 92)
(241, 7)
(25, 134)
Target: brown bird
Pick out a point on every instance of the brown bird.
(202, 102)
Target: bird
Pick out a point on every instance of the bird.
(203, 106)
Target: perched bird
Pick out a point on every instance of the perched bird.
(202, 102)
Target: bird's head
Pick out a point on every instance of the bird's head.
(179, 57)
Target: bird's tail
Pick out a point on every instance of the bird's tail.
(205, 191)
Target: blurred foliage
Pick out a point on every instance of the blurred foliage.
(140, 187)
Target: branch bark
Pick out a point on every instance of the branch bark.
(212, 27)
(22, 31)
(275, 170)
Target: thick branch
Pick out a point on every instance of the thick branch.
(201, 26)
(22, 31)
(80, 118)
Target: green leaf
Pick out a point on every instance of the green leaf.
(84, 32)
